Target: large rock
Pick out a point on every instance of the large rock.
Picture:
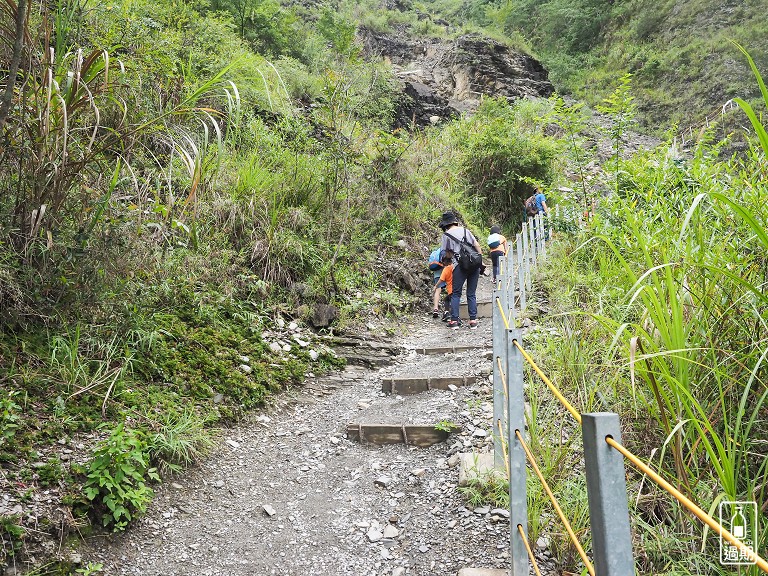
(323, 315)
(407, 280)
(442, 78)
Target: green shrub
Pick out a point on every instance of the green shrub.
(11, 536)
(117, 477)
(9, 417)
(504, 153)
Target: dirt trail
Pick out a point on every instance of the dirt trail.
(289, 494)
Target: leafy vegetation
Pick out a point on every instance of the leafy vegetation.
(660, 318)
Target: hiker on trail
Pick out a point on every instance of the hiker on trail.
(536, 204)
(541, 202)
(462, 246)
(444, 286)
(498, 245)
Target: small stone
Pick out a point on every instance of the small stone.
(218, 398)
(219, 484)
(399, 571)
(454, 460)
(390, 531)
(233, 443)
(423, 548)
(334, 440)
(293, 326)
(194, 546)
(313, 355)
(433, 120)
(300, 342)
(382, 481)
(542, 543)
(500, 512)
(452, 387)
(244, 359)
(479, 433)
(402, 244)
(419, 472)
(482, 510)
(275, 347)
(75, 558)
(281, 323)
(363, 405)
(374, 535)
(286, 347)
(269, 510)
(452, 524)
(176, 485)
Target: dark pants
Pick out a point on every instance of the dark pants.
(471, 278)
(495, 260)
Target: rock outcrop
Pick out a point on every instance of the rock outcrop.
(443, 78)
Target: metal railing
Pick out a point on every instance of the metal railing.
(604, 453)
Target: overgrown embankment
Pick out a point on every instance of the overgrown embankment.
(660, 312)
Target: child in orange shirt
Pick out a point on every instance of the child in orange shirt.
(445, 284)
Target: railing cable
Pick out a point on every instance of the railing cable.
(559, 395)
(531, 557)
(691, 506)
(556, 505)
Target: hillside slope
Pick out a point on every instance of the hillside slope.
(684, 65)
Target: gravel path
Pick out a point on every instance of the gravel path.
(289, 494)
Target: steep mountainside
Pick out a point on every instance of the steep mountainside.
(680, 52)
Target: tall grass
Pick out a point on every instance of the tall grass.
(669, 283)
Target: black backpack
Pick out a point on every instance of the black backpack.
(469, 258)
(530, 206)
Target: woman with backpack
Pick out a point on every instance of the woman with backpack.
(466, 255)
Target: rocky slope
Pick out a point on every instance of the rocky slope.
(442, 78)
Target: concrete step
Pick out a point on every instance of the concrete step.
(407, 386)
(484, 310)
(477, 466)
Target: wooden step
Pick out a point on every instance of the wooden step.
(407, 386)
(411, 434)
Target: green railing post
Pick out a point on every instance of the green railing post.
(499, 352)
(518, 504)
(607, 493)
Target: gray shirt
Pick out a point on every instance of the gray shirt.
(452, 240)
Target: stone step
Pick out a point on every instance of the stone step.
(451, 349)
(477, 466)
(407, 386)
(411, 434)
(484, 310)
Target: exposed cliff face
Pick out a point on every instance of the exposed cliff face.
(443, 78)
